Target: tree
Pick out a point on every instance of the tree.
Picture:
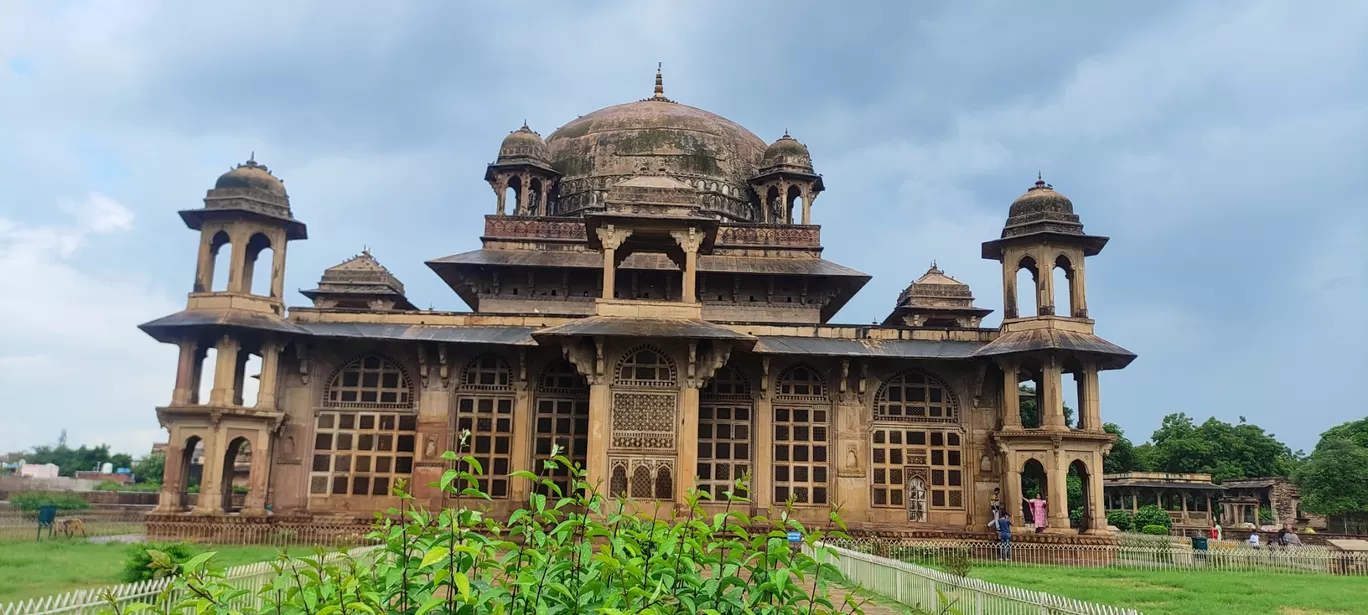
(121, 460)
(149, 469)
(1218, 448)
(1122, 457)
(1030, 415)
(1354, 431)
(1334, 479)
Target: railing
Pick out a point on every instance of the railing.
(16, 526)
(92, 601)
(923, 588)
(1134, 552)
(214, 531)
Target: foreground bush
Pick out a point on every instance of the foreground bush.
(1121, 519)
(1154, 530)
(563, 553)
(138, 565)
(31, 501)
(1152, 515)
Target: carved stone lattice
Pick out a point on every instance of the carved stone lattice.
(642, 478)
(644, 420)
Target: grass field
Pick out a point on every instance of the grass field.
(1158, 592)
(35, 569)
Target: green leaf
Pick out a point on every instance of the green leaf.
(463, 585)
(434, 555)
(196, 561)
(429, 605)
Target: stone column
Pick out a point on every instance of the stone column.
(523, 428)
(210, 498)
(689, 241)
(1011, 395)
(225, 369)
(173, 475)
(762, 464)
(524, 194)
(254, 505)
(1058, 499)
(600, 411)
(434, 428)
(278, 244)
(541, 205)
(611, 237)
(1051, 404)
(185, 373)
(270, 374)
(237, 265)
(1044, 282)
(1089, 397)
(500, 190)
(1011, 492)
(204, 265)
(807, 206)
(1098, 523)
(1078, 293)
(1009, 289)
(687, 441)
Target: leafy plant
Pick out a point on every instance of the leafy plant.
(1265, 516)
(1152, 515)
(958, 562)
(1154, 530)
(31, 501)
(573, 552)
(139, 565)
(1121, 519)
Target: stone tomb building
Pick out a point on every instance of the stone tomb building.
(651, 295)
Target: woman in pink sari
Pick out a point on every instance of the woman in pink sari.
(1039, 506)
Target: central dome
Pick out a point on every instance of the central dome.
(657, 136)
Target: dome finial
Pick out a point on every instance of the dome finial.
(1040, 183)
(251, 158)
(660, 82)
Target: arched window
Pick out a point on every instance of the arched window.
(915, 396)
(664, 484)
(724, 432)
(562, 420)
(484, 411)
(364, 434)
(369, 382)
(617, 483)
(802, 421)
(641, 483)
(646, 366)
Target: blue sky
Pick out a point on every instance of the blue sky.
(1223, 147)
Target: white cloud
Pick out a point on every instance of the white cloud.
(72, 357)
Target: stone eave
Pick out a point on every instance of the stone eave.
(1092, 244)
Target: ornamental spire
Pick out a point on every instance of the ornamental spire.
(659, 94)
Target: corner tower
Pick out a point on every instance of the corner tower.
(1041, 448)
(246, 213)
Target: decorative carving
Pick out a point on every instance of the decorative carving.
(916, 496)
(520, 227)
(302, 355)
(764, 376)
(783, 235)
(644, 420)
(423, 367)
(430, 447)
(845, 373)
(612, 237)
(979, 376)
(522, 365)
(689, 240)
(583, 360)
(864, 377)
(444, 370)
(711, 361)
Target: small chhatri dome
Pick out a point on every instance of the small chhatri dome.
(359, 282)
(1042, 209)
(523, 143)
(936, 300)
(787, 150)
(251, 176)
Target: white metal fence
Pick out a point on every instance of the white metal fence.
(93, 601)
(1131, 553)
(923, 588)
(17, 526)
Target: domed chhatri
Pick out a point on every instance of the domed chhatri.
(523, 143)
(251, 176)
(787, 151)
(1041, 209)
(936, 300)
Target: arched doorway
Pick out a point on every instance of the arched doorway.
(190, 471)
(1080, 497)
(1034, 483)
(238, 454)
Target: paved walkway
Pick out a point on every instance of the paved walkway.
(119, 538)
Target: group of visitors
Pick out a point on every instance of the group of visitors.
(1034, 510)
(1285, 538)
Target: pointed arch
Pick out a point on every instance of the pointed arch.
(641, 483)
(664, 484)
(727, 382)
(369, 381)
(725, 412)
(257, 246)
(217, 263)
(617, 482)
(1028, 264)
(915, 395)
(562, 423)
(801, 380)
(1065, 289)
(802, 438)
(487, 372)
(646, 366)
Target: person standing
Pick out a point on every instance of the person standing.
(1004, 530)
(995, 504)
(1038, 507)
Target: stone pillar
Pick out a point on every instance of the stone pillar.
(278, 244)
(541, 205)
(1058, 499)
(225, 369)
(686, 471)
(239, 376)
(270, 374)
(1090, 398)
(524, 193)
(1011, 395)
(237, 265)
(1051, 403)
(689, 241)
(762, 483)
(1044, 282)
(1098, 523)
(254, 505)
(434, 435)
(500, 190)
(523, 428)
(204, 264)
(1078, 293)
(1009, 289)
(596, 462)
(611, 237)
(1011, 492)
(173, 475)
(185, 373)
(210, 499)
(807, 207)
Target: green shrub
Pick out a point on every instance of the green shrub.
(1155, 530)
(958, 562)
(1076, 517)
(1265, 516)
(110, 485)
(138, 565)
(571, 553)
(1152, 515)
(1121, 519)
(31, 501)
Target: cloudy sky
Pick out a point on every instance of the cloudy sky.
(1223, 147)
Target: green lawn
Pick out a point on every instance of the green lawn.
(1159, 592)
(35, 569)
